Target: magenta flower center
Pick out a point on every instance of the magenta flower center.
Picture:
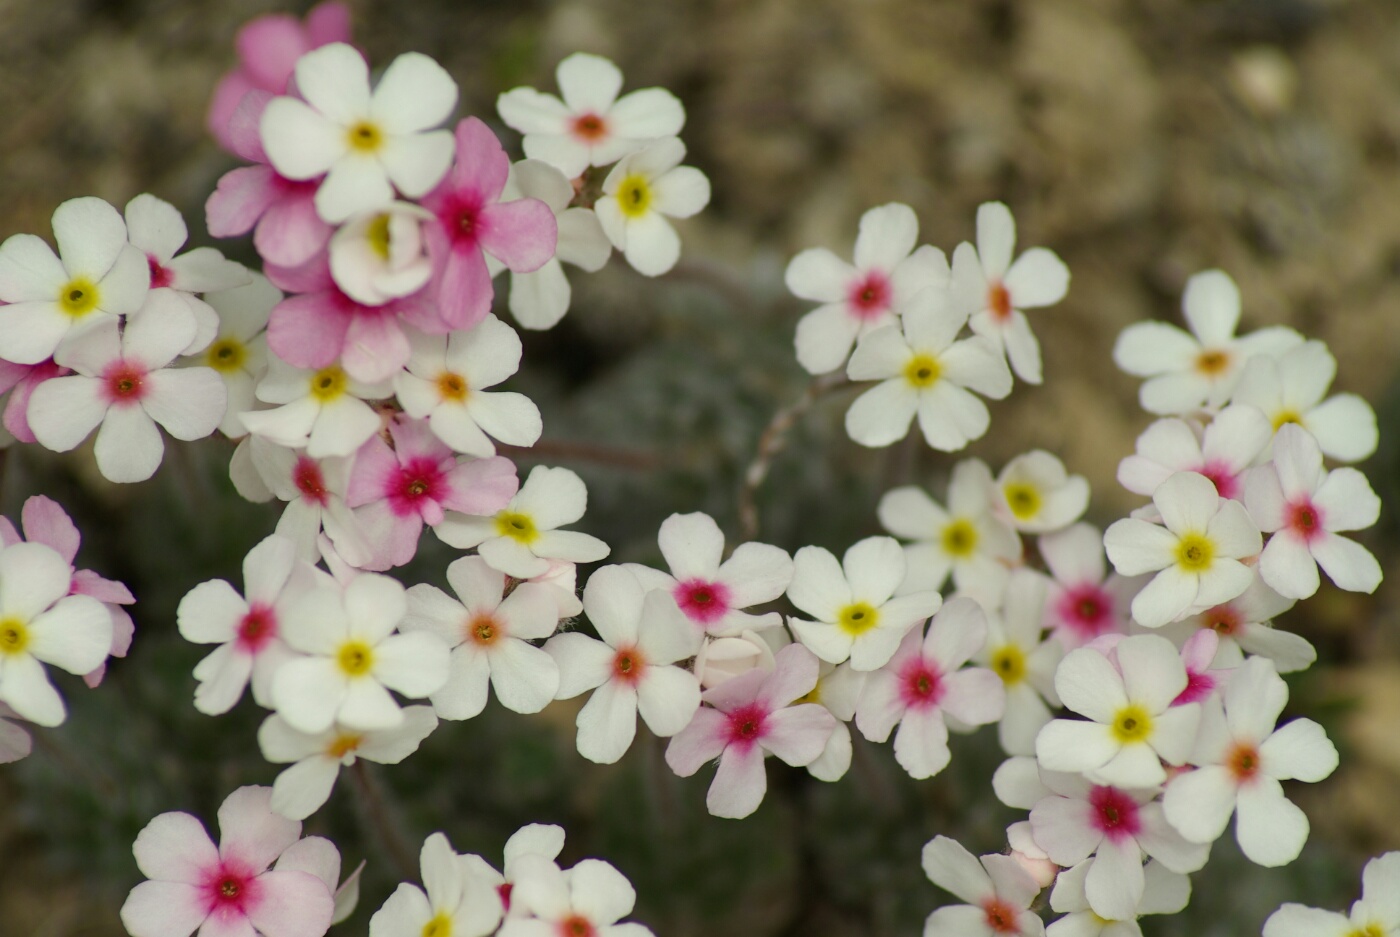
(1304, 520)
(231, 888)
(920, 684)
(747, 724)
(1115, 814)
(460, 218)
(1226, 482)
(257, 628)
(309, 481)
(870, 295)
(160, 275)
(419, 479)
(702, 601)
(1198, 687)
(123, 382)
(504, 889)
(1086, 610)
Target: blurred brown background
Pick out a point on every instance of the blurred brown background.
(1143, 140)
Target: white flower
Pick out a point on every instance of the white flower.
(362, 141)
(866, 294)
(445, 382)
(124, 384)
(1198, 551)
(1242, 760)
(1243, 624)
(1017, 652)
(924, 371)
(522, 539)
(1037, 495)
(856, 612)
(1163, 892)
(997, 890)
(299, 791)
(631, 670)
(238, 350)
(40, 623)
(586, 900)
(1376, 913)
(644, 189)
(459, 902)
(1201, 369)
(1134, 724)
(987, 286)
(324, 410)
(488, 635)
(1303, 507)
(381, 254)
(592, 126)
(96, 277)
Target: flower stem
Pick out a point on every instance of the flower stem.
(374, 807)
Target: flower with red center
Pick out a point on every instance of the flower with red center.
(1114, 813)
(1203, 676)
(314, 490)
(632, 670)
(1243, 625)
(710, 593)
(997, 892)
(309, 481)
(860, 296)
(247, 630)
(924, 678)
(584, 901)
(1084, 601)
(1223, 451)
(1303, 506)
(471, 222)
(749, 717)
(228, 889)
(1242, 758)
(394, 492)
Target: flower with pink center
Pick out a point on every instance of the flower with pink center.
(395, 491)
(247, 629)
(473, 222)
(924, 679)
(1243, 626)
(268, 48)
(1082, 603)
(997, 890)
(322, 324)
(541, 840)
(584, 901)
(987, 286)
(1119, 827)
(749, 717)
(228, 890)
(859, 297)
(280, 212)
(1223, 452)
(46, 522)
(632, 670)
(124, 384)
(1241, 761)
(1303, 506)
(710, 593)
(1204, 681)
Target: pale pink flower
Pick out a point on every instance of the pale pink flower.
(125, 385)
(863, 295)
(997, 890)
(986, 285)
(20, 380)
(541, 840)
(1235, 437)
(395, 491)
(632, 670)
(15, 742)
(1082, 602)
(226, 890)
(710, 593)
(1303, 507)
(924, 679)
(586, 900)
(591, 126)
(471, 222)
(748, 718)
(1243, 625)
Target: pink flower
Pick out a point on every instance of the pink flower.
(396, 491)
(20, 380)
(471, 219)
(752, 717)
(268, 49)
(228, 891)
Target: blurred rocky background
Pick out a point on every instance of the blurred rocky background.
(1143, 140)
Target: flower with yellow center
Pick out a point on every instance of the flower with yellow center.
(642, 191)
(460, 899)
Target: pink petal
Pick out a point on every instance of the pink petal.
(482, 165)
(175, 847)
(464, 290)
(291, 904)
(520, 234)
(164, 909)
(739, 784)
(291, 232)
(701, 741)
(250, 830)
(308, 331)
(47, 523)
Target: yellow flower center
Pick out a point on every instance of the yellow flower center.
(1370, 930)
(922, 370)
(378, 235)
(78, 297)
(355, 658)
(1009, 663)
(634, 196)
(440, 926)
(858, 618)
(1287, 416)
(1132, 724)
(517, 527)
(226, 355)
(960, 538)
(1194, 553)
(343, 744)
(1213, 362)
(364, 137)
(483, 629)
(1023, 499)
(452, 386)
(14, 636)
(328, 383)
(813, 697)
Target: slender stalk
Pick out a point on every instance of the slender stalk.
(574, 451)
(374, 806)
(772, 441)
